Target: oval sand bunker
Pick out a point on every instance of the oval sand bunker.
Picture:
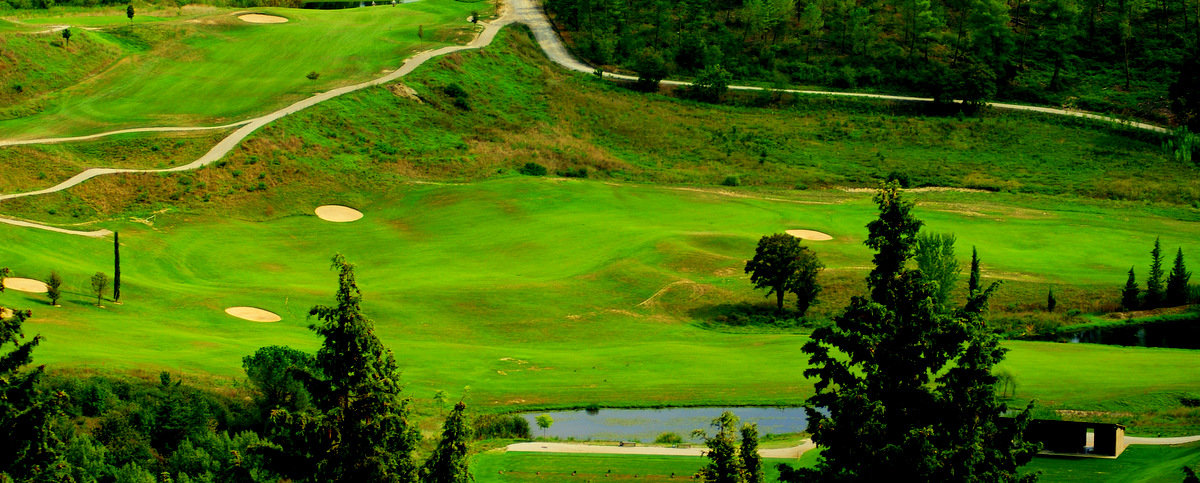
(25, 285)
(809, 235)
(338, 213)
(260, 18)
(253, 314)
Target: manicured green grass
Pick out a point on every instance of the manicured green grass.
(221, 69)
(523, 467)
(557, 273)
(1136, 464)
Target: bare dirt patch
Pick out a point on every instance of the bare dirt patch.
(338, 213)
(809, 235)
(401, 90)
(25, 285)
(260, 18)
(253, 314)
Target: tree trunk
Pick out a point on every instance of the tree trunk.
(779, 299)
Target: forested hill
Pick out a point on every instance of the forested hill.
(1116, 56)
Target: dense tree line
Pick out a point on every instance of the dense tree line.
(1057, 51)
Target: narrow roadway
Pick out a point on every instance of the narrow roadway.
(527, 12)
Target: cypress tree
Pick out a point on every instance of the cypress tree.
(973, 282)
(1154, 284)
(448, 463)
(116, 267)
(1177, 282)
(1129, 295)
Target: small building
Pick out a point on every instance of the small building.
(1077, 438)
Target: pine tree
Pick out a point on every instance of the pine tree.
(360, 430)
(1154, 284)
(1178, 292)
(448, 463)
(875, 371)
(116, 267)
(1129, 295)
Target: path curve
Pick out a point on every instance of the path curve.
(527, 12)
(547, 447)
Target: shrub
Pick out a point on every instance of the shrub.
(454, 90)
(501, 426)
(532, 169)
(731, 181)
(668, 438)
(573, 173)
(313, 75)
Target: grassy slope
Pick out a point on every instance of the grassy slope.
(558, 283)
(221, 69)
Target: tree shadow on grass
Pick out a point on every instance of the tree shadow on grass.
(748, 317)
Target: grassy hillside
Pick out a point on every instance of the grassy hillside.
(540, 292)
(216, 69)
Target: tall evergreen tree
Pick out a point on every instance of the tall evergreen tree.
(1154, 283)
(1129, 295)
(116, 267)
(448, 463)
(360, 430)
(974, 281)
(1178, 292)
(724, 465)
(752, 471)
(875, 373)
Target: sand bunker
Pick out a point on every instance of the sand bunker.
(809, 235)
(260, 18)
(338, 213)
(253, 314)
(25, 285)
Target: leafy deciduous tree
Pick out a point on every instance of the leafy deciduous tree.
(99, 283)
(724, 465)
(936, 260)
(54, 287)
(544, 421)
(782, 265)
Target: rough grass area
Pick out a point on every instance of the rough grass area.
(211, 69)
(529, 467)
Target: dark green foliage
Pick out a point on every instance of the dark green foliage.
(313, 75)
(276, 372)
(650, 69)
(731, 181)
(668, 438)
(99, 283)
(129, 13)
(1154, 283)
(1129, 294)
(1177, 283)
(890, 413)
(29, 443)
(448, 463)
(936, 260)
(532, 169)
(360, 429)
(4, 273)
(454, 90)
(1051, 302)
(782, 265)
(752, 469)
(1185, 97)
(54, 287)
(973, 283)
(724, 465)
(66, 35)
(1189, 475)
(116, 267)
(501, 426)
(710, 85)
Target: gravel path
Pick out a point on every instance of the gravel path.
(528, 12)
(1161, 441)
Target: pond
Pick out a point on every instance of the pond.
(646, 424)
(1177, 334)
